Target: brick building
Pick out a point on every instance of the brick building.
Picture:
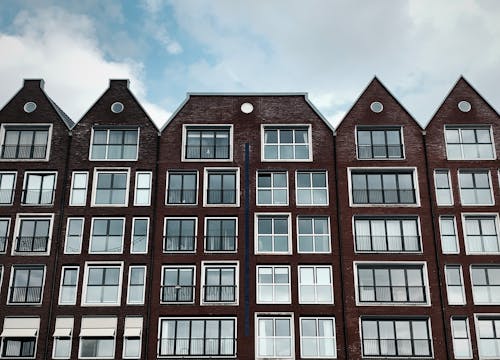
(249, 228)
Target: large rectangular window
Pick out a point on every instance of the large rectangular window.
(97, 337)
(274, 338)
(444, 195)
(78, 196)
(26, 285)
(110, 188)
(19, 337)
(136, 285)
(469, 142)
(33, 235)
(181, 188)
(178, 284)
(286, 143)
(379, 143)
(272, 188)
(313, 234)
(69, 285)
(179, 235)
(317, 338)
(220, 234)
(315, 284)
(488, 336)
(74, 236)
(220, 283)
(455, 285)
(273, 285)
(207, 143)
(102, 284)
(39, 188)
(485, 284)
(25, 142)
(475, 187)
(481, 234)
(114, 144)
(222, 187)
(197, 337)
(312, 188)
(273, 234)
(7, 187)
(107, 235)
(462, 348)
(449, 239)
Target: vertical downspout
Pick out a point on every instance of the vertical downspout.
(247, 239)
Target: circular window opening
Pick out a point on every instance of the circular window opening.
(376, 106)
(117, 107)
(464, 106)
(29, 107)
(247, 108)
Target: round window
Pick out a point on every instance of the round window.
(376, 106)
(29, 107)
(464, 106)
(247, 108)
(117, 107)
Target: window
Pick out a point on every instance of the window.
(97, 337)
(63, 334)
(469, 143)
(132, 337)
(475, 188)
(19, 337)
(26, 142)
(114, 144)
(106, 236)
(207, 143)
(110, 188)
(179, 235)
(272, 188)
(379, 143)
(39, 188)
(481, 234)
(26, 284)
(177, 284)
(136, 285)
(317, 338)
(33, 235)
(4, 233)
(220, 234)
(273, 284)
(387, 234)
(449, 240)
(273, 234)
(69, 285)
(396, 337)
(7, 187)
(444, 195)
(286, 143)
(313, 234)
(390, 187)
(181, 188)
(197, 337)
(488, 336)
(274, 337)
(454, 284)
(392, 283)
(312, 188)
(222, 187)
(140, 235)
(78, 196)
(142, 196)
(220, 283)
(485, 285)
(315, 284)
(102, 285)
(462, 348)
(74, 236)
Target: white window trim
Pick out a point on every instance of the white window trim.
(461, 279)
(272, 172)
(13, 186)
(316, 318)
(291, 126)
(86, 173)
(274, 315)
(132, 235)
(315, 266)
(456, 234)
(274, 267)
(422, 264)
(256, 232)
(452, 195)
(220, 264)
(90, 264)
(17, 229)
(312, 188)
(378, 170)
(464, 230)
(193, 267)
(458, 318)
(59, 302)
(92, 232)
(202, 126)
(36, 331)
(143, 284)
(207, 171)
(137, 174)
(115, 171)
(184, 172)
(481, 266)
(70, 338)
(12, 279)
(477, 317)
(195, 235)
(114, 127)
(7, 236)
(327, 217)
(67, 231)
(125, 337)
(28, 125)
(473, 171)
(205, 227)
(114, 337)
(382, 127)
(37, 172)
(470, 126)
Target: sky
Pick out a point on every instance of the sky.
(330, 49)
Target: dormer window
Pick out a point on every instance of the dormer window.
(114, 143)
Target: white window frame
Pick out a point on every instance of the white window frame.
(195, 235)
(482, 266)
(450, 188)
(388, 264)
(137, 174)
(197, 189)
(17, 230)
(465, 235)
(7, 235)
(71, 201)
(475, 171)
(207, 218)
(193, 285)
(289, 235)
(63, 331)
(285, 126)
(460, 127)
(25, 184)
(311, 188)
(63, 269)
(97, 171)
(220, 265)
(314, 235)
(391, 170)
(487, 316)
(68, 220)
(273, 284)
(27, 126)
(457, 245)
(186, 127)
(133, 232)
(100, 264)
(13, 190)
(131, 267)
(315, 284)
(334, 337)
(114, 127)
(228, 170)
(132, 330)
(271, 188)
(453, 338)
(380, 128)
(462, 285)
(11, 283)
(92, 232)
(275, 316)
(106, 320)
(27, 324)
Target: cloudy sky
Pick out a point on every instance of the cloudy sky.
(328, 48)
